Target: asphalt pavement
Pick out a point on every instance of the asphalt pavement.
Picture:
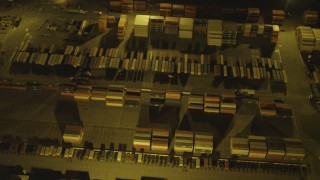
(111, 171)
(28, 114)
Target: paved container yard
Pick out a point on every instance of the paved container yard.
(41, 116)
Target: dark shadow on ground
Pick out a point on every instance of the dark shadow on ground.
(10, 172)
(59, 70)
(197, 44)
(41, 70)
(310, 126)
(278, 87)
(185, 124)
(245, 132)
(110, 39)
(218, 124)
(183, 78)
(71, 174)
(10, 138)
(272, 127)
(137, 43)
(66, 112)
(217, 81)
(159, 117)
(41, 173)
(19, 68)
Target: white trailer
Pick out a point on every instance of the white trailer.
(81, 29)
(71, 151)
(12, 57)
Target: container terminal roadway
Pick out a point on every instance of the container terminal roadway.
(30, 115)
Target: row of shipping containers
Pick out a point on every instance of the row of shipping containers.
(83, 153)
(185, 27)
(109, 155)
(257, 68)
(270, 108)
(114, 58)
(308, 39)
(213, 103)
(48, 57)
(260, 147)
(119, 95)
(157, 140)
(73, 134)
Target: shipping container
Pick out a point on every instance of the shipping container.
(258, 147)
(294, 149)
(115, 95)
(284, 110)
(157, 98)
(227, 103)
(132, 97)
(71, 152)
(211, 103)
(203, 143)
(91, 154)
(183, 141)
(142, 138)
(173, 96)
(73, 133)
(267, 107)
(276, 149)
(239, 146)
(59, 151)
(119, 156)
(195, 102)
(160, 139)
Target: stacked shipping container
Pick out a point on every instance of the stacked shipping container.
(276, 149)
(258, 147)
(115, 96)
(239, 146)
(132, 97)
(183, 141)
(103, 23)
(228, 103)
(73, 134)
(195, 102)
(211, 103)
(142, 139)
(294, 149)
(160, 139)
(203, 143)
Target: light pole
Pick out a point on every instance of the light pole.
(286, 9)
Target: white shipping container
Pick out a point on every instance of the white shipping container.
(95, 51)
(42, 151)
(71, 151)
(47, 151)
(12, 56)
(26, 45)
(225, 71)
(22, 57)
(32, 58)
(59, 151)
(119, 157)
(192, 68)
(76, 50)
(91, 154)
(66, 153)
(156, 65)
(139, 158)
(19, 56)
(50, 60)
